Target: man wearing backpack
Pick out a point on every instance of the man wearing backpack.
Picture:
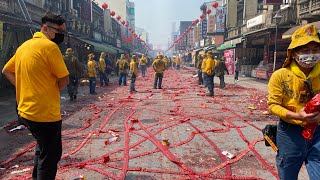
(143, 65)
(159, 66)
(74, 68)
(122, 65)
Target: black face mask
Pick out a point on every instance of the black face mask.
(58, 38)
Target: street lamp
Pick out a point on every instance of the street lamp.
(277, 19)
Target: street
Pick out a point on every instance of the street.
(173, 133)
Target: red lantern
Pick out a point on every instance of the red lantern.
(104, 6)
(118, 18)
(208, 11)
(197, 20)
(127, 24)
(112, 13)
(202, 16)
(215, 4)
(123, 22)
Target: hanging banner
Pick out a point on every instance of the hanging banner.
(204, 28)
(1, 35)
(220, 19)
(229, 59)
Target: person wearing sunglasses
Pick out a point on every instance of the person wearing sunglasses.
(290, 88)
(38, 72)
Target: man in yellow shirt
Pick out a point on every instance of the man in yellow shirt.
(143, 65)
(134, 73)
(203, 66)
(122, 65)
(102, 69)
(199, 66)
(290, 88)
(92, 74)
(209, 71)
(159, 66)
(38, 72)
(178, 62)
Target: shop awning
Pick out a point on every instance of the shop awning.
(229, 46)
(289, 32)
(99, 46)
(118, 49)
(209, 48)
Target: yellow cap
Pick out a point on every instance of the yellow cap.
(160, 56)
(301, 37)
(69, 51)
(91, 55)
(122, 56)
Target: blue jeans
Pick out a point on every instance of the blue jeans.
(210, 79)
(103, 78)
(178, 66)
(143, 70)
(205, 82)
(122, 78)
(132, 84)
(92, 84)
(294, 150)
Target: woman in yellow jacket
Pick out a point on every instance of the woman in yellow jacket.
(210, 64)
(290, 88)
(102, 69)
(134, 73)
(92, 73)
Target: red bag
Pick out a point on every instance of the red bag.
(312, 106)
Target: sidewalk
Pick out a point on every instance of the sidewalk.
(7, 110)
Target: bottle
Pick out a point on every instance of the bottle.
(312, 106)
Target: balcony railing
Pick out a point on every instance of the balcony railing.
(309, 7)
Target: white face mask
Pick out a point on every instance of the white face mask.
(308, 60)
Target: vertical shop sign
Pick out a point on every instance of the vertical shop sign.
(220, 19)
(229, 58)
(1, 35)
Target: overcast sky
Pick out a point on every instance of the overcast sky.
(157, 16)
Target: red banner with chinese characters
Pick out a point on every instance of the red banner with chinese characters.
(229, 59)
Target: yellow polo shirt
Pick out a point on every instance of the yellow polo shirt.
(92, 68)
(133, 67)
(38, 64)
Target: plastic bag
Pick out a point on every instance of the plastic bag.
(312, 106)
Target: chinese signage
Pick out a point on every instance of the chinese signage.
(272, 1)
(1, 35)
(86, 10)
(211, 23)
(229, 59)
(220, 19)
(204, 28)
(256, 21)
(118, 43)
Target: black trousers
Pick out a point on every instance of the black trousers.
(200, 79)
(158, 80)
(48, 149)
(236, 75)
